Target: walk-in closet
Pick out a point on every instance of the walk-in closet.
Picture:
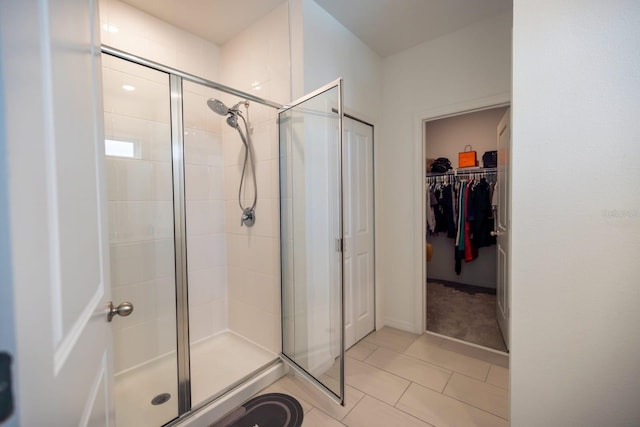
(463, 259)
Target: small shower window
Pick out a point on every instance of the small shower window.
(118, 148)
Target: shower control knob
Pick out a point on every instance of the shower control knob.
(124, 309)
(248, 217)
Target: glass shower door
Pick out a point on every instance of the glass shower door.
(311, 238)
(138, 145)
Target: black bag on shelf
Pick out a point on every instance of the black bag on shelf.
(490, 159)
(442, 164)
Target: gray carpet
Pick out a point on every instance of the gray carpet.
(463, 312)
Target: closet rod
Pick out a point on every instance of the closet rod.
(457, 172)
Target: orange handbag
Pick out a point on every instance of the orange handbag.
(467, 158)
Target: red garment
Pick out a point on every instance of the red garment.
(470, 252)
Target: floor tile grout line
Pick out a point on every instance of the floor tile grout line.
(398, 409)
(409, 379)
(431, 364)
(442, 367)
(411, 415)
(402, 394)
(354, 407)
(488, 372)
(445, 386)
(480, 381)
(463, 402)
(474, 406)
(365, 393)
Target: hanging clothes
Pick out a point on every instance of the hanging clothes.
(431, 217)
(441, 202)
(447, 207)
(482, 222)
(462, 208)
(459, 246)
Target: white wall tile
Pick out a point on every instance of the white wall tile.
(138, 340)
(207, 319)
(207, 285)
(202, 147)
(255, 253)
(254, 289)
(166, 332)
(216, 183)
(159, 147)
(259, 64)
(205, 217)
(206, 251)
(162, 183)
(258, 325)
(196, 182)
(200, 321)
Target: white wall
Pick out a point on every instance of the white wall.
(323, 50)
(461, 67)
(332, 51)
(256, 61)
(576, 214)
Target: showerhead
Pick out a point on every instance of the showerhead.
(233, 112)
(217, 106)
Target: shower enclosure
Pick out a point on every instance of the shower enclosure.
(208, 311)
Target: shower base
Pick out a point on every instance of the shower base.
(217, 362)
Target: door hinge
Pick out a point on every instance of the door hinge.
(339, 245)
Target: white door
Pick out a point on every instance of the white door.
(59, 260)
(358, 231)
(503, 226)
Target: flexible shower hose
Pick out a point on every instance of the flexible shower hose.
(248, 155)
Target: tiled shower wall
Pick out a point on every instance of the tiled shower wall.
(140, 212)
(256, 61)
(205, 216)
(150, 331)
(233, 271)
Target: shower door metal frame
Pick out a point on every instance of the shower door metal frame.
(180, 245)
(176, 78)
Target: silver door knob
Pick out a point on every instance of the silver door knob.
(124, 309)
(495, 233)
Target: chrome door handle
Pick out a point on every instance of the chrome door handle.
(495, 233)
(124, 309)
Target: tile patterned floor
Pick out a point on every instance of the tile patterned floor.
(394, 378)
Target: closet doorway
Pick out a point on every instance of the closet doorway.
(465, 227)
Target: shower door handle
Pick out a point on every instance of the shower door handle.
(124, 309)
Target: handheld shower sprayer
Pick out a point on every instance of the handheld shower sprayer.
(248, 212)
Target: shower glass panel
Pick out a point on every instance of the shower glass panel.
(311, 235)
(224, 344)
(141, 231)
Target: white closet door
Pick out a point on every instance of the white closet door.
(358, 231)
(503, 225)
(51, 82)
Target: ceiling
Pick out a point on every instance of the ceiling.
(386, 26)
(391, 26)
(215, 20)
